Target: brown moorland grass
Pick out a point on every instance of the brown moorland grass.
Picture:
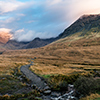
(56, 58)
(10, 62)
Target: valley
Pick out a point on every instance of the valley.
(73, 54)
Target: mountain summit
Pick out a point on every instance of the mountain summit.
(85, 24)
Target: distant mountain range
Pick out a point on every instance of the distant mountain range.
(85, 26)
(37, 42)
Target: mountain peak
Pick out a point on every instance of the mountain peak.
(37, 38)
(85, 22)
(89, 16)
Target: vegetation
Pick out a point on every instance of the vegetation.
(29, 96)
(10, 84)
(86, 86)
(91, 97)
(60, 63)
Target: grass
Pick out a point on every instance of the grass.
(9, 84)
(58, 58)
(29, 96)
(92, 97)
(43, 69)
(9, 62)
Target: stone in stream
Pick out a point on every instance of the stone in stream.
(47, 88)
(55, 94)
(47, 92)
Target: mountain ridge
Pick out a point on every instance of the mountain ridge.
(84, 22)
(87, 26)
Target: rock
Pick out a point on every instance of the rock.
(28, 84)
(21, 79)
(37, 98)
(34, 57)
(32, 85)
(46, 97)
(54, 94)
(71, 86)
(47, 92)
(47, 88)
(3, 78)
(71, 98)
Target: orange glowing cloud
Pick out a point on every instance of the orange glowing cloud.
(5, 35)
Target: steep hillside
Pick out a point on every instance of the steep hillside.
(85, 24)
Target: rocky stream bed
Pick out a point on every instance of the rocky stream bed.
(42, 86)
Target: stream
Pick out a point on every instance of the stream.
(42, 86)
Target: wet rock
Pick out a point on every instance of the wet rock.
(21, 79)
(47, 88)
(3, 78)
(47, 92)
(46, 97)
(55, 94)
(28, 85)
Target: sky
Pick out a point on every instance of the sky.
(28, 19)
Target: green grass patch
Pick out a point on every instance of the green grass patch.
(46, 76)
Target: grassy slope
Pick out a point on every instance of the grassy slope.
(61, 57)
(77, 53)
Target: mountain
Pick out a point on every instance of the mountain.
(13, 44)
(37, 42)
(85, 28)
(85, 24)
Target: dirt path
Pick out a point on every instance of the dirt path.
(36, 80)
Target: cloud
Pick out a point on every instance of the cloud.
(12, 5)
(9, 5)
(5, 33)
(81, 7)
(24, 35)
(36, 18)
(5, 30)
